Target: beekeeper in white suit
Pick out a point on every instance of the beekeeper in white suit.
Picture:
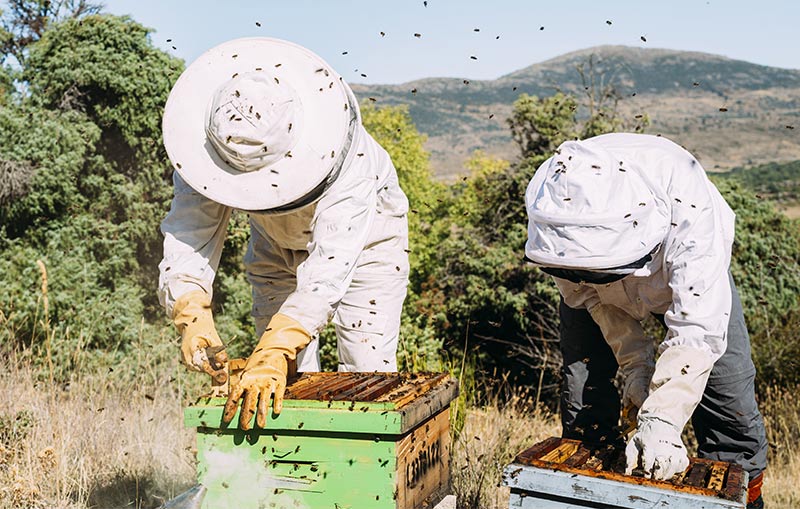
(267, 127)
(629, 225)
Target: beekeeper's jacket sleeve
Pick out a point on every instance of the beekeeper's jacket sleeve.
(623, 333)
(194, 233)
(697, 260)
(340, 230)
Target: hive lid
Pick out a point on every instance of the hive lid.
(372, 403)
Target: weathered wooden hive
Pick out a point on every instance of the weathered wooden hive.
(559, 473)
(343, 440)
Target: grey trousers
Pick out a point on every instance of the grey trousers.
(727, 423)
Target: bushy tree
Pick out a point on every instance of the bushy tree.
(6, 83)
(766, 268)
(27, 20)
(53, 156)
(538, 126)
(481, 294)
(91, 182)
(107, 68)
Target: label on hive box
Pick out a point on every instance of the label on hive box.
(423, 459)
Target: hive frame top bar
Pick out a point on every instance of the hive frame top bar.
(377, 404)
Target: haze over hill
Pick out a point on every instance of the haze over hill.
(682, 92)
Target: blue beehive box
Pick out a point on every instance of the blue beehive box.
(559, 473)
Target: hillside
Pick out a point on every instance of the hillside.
(681, 91)
(778, 182)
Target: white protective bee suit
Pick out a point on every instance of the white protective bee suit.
(267, 127)
(341, 258)
(641, 208)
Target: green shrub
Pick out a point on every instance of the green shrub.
(93, 300)
(766, 268)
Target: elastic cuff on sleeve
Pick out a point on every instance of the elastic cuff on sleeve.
(173, 290)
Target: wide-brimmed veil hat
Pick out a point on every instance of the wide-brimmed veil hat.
(590, 210)
(259, 124)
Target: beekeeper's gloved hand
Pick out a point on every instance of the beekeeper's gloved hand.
(266, 371)
(659, 446)
(676, 389)
(201, 347)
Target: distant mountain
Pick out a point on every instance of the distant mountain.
(681, 91)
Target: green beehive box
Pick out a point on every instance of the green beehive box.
(342, 441)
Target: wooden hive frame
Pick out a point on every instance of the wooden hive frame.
(345, 440)
(564, 473)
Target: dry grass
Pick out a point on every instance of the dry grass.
(103, 441)
(100, 441)
(491, 437)
(781, 409)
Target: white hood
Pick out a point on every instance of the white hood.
(589, 210)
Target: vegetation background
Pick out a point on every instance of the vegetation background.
(91, 392)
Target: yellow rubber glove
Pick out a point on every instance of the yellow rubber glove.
(265, 372)
(201, 347)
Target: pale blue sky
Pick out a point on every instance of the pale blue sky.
(763, 32)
